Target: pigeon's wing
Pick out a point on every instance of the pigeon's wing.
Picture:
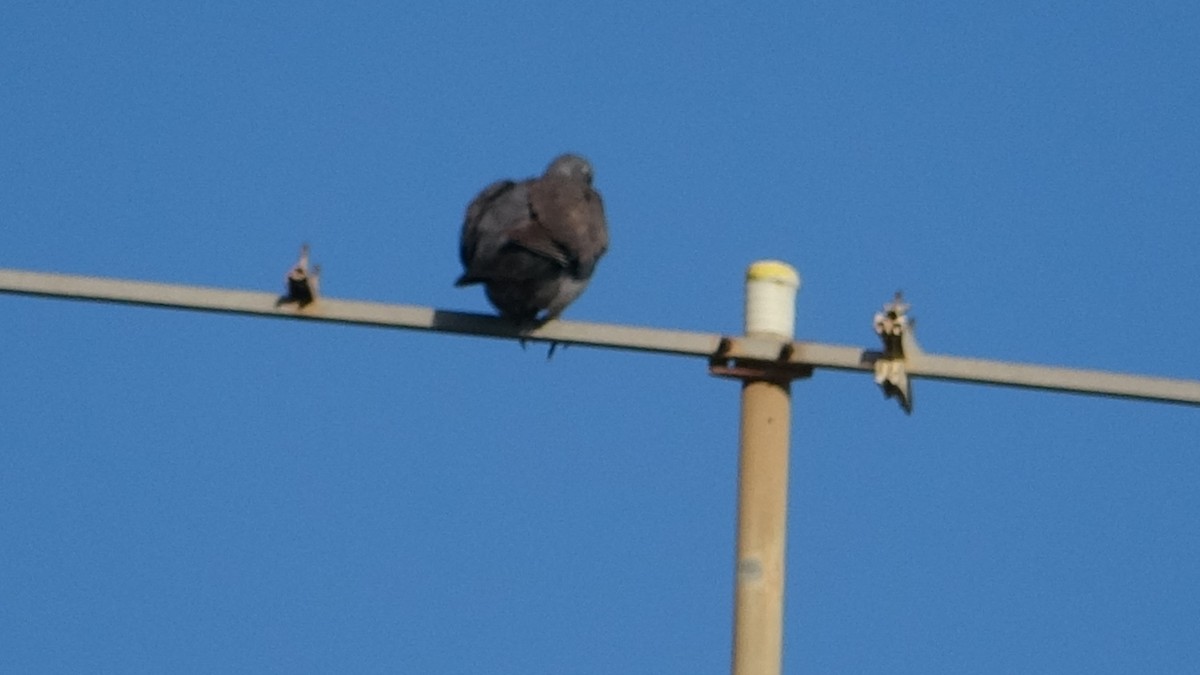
(595, 229)
(568, 224)
(480, 222)
(490, 216)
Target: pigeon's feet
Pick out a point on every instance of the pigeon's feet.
(526, 326)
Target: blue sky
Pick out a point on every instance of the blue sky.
(184, 492)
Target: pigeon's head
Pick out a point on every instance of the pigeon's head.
(571, 166)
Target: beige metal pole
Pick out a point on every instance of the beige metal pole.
(762, 528)
(763, 481)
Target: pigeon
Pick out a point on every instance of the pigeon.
(302, 285)
(534, 244)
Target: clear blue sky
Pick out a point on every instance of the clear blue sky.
(183, 492)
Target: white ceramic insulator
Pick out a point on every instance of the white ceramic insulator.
(771, 288)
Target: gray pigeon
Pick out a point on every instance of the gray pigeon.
(534, 244)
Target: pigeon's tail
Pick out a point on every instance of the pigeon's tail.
(466, 280)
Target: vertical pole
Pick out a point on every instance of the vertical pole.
(763, 481)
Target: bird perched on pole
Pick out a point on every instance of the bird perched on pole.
(301, 283)
(534, 244)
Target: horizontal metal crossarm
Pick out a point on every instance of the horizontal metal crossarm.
(1098, 382)
(756, 352)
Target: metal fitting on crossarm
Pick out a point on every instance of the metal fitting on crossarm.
(895, 328)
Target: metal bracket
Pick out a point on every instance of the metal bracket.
(895, 328)
(725, 363)
(301, 283)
